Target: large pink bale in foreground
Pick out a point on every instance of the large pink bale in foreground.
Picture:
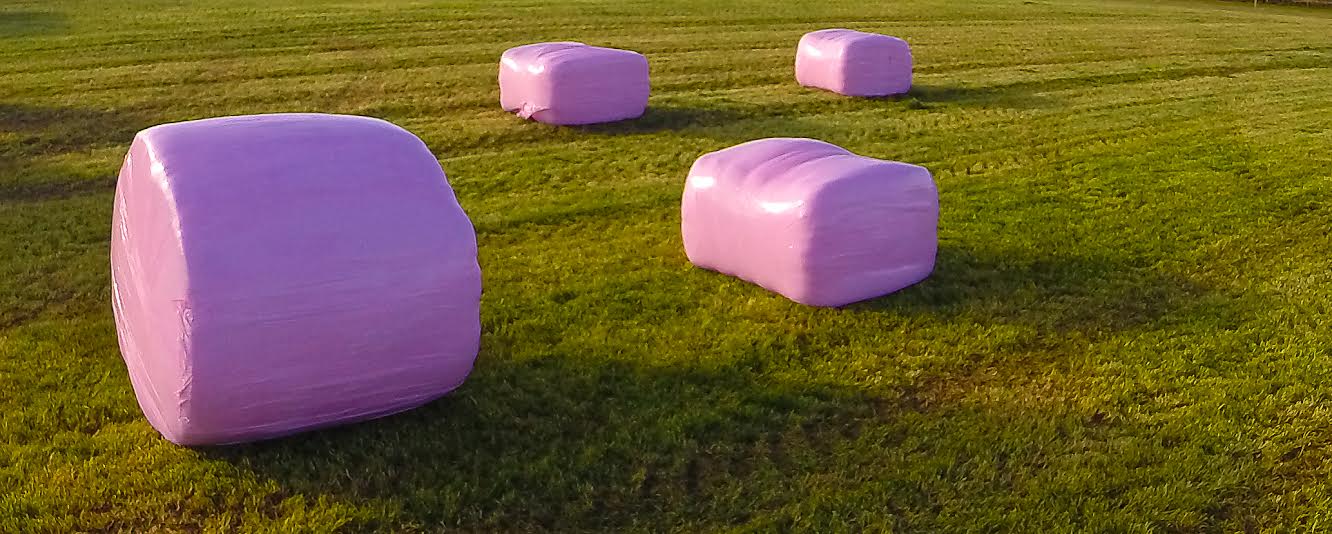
(854, 63)
(277, 273)
(810, 220)
(573, 83)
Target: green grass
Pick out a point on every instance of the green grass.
(1126, 330)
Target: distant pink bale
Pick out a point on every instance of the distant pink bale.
(854, 63)
(278, 273)
(810, 220)
(573, 83)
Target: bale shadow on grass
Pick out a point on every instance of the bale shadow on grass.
(1015, 97)
(562, 444)
(45, 130)
(1054, 293)
(570, 444)
(725, 116)
(726, 122)
(27, 23)
(569, 441)
(733, 121)
(670, 117)
(52, 185)
(40, 133)
(924, 97)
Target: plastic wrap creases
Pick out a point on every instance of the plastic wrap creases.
(277, 273)
(854, 63)
(810, 220)
(568, 83)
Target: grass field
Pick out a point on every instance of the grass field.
(1124, 333)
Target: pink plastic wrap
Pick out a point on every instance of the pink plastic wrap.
(854, 63)
(810, 220)
(573, 83)
(277, 273)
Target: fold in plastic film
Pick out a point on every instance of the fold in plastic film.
(569, 83)
(811, 221)
(278, 273)
(854, 63)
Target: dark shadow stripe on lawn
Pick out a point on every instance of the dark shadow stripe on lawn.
(48, 131)
(571, 442)
(28, 23)
(15, 193)
(649, 200)
(565, 427)
(1090, 295)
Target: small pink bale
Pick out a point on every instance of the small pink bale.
(810, 220)
(277, 273)
(570, 83)
(854, 63)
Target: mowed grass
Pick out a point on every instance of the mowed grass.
(1127, 329)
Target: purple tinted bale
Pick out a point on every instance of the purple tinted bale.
(810, 220)
(573, 83)
(854, 63)
(278, 273)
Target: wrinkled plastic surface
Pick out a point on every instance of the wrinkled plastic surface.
(277, 273)
(571, 83)
(810, 220)
(854, 63)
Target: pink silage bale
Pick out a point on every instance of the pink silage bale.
(572, 83)
(810, 220)
(278, 273)
(854, 63)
